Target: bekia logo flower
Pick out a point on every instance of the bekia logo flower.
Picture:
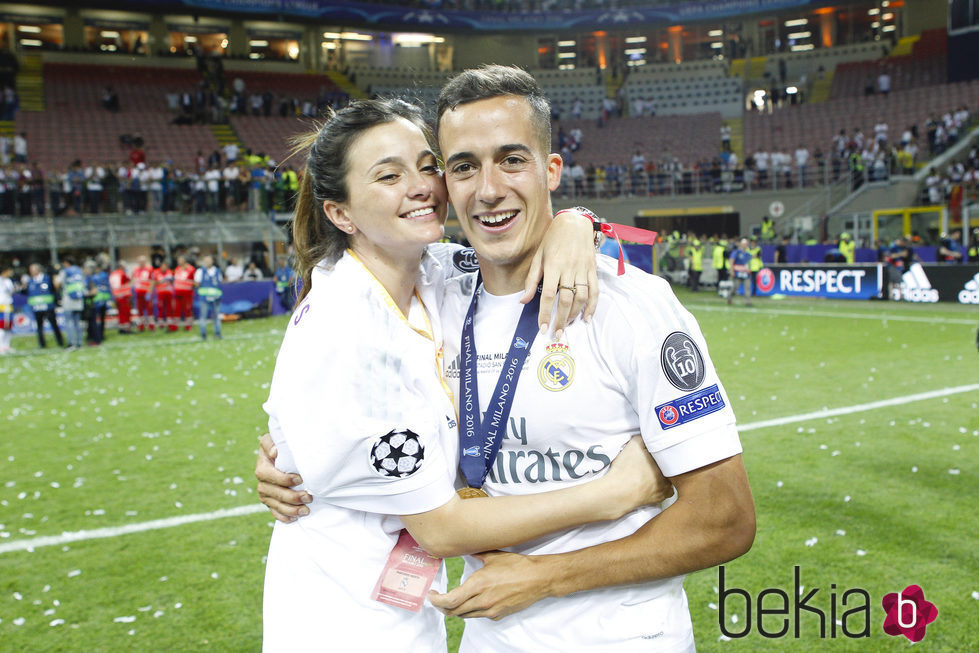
(908, 613)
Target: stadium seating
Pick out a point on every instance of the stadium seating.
(925, 66)
(814, 125)
(76, 126)
(687, 88)
(807, 63)
(690, 138)
(270, 135)
(297, 85)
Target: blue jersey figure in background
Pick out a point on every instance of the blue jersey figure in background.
(741, 271)
(285, 287)
(101, 294)
(40, 297)
(208, 280)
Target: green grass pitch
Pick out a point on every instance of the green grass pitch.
(158, 426)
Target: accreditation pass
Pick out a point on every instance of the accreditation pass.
(407, 576)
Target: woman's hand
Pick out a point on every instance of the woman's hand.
(635, 478)
(274, 487)
(565, 261)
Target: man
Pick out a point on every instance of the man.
(740, 260)
(695, 251)
(73, 289)
(718, 259)
(6, 307)
(183, 286)
(755, 265)
(950, 250)
(143, 279)
(285, 285)
(208, 280)
(782, 251)
(569, 418)
(101, 294)
(767, 230)
(40, 297)
(848, 248)
(163, 287)
(122, 292)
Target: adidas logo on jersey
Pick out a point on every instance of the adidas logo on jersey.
(970, 294)
(915, 287)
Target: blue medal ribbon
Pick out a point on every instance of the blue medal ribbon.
(480, 436)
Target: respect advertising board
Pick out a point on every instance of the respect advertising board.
(832, 281)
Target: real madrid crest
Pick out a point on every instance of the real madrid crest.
(556, 370)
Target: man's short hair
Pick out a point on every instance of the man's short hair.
(491, 81)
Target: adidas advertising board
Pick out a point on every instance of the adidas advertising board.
(939, 283)
(834, 281)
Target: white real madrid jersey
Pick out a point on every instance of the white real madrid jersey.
(359, 408)
(640, 367)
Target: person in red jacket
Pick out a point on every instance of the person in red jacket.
(183, 286)
(122, 292)
(163, 287)
(143, 282)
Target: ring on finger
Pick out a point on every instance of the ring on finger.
(573, 289)
(584, 283)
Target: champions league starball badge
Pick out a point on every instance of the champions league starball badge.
(682, 362)
(397, 454)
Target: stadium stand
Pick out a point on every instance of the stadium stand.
(925, 66)
(270, 135)
(74, 124)
(815, 125)
(689, 138)
(690, 88)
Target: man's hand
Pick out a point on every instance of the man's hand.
(565, 261)
(286, 505)
(507, 583)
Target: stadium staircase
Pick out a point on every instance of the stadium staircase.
(822, 87)
(905, 46)
(225, 134)
(756, 68)
(737, 68)
(737, 136)
(346, 85)
(7, 128)
(30, 84)
(612, 85)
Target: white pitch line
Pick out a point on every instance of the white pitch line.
(115, 531)
(858, 408)
(170, 522)
(856, 316)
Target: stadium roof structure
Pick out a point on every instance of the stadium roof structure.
(426, 18)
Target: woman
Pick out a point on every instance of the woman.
(359, 408)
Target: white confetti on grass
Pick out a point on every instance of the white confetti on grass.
(74, 572)
(57, 622)
(19, 621)
(812, 541)
(861, 552)
(954, 472)
(975, 595)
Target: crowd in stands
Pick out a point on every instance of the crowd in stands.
(211, 103)
(225, 181)
(852, 155)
